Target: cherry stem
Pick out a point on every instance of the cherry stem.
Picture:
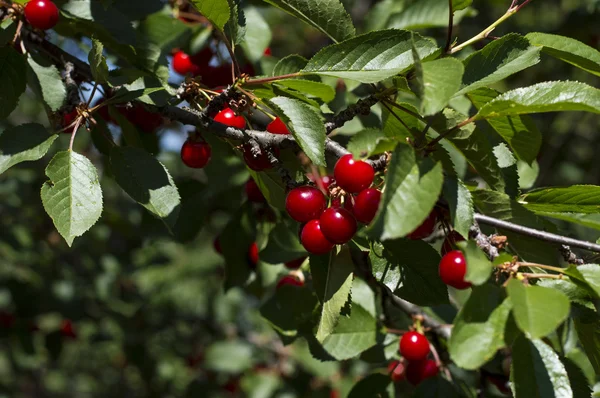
(527, 275)
(77, 123)
(548, 267)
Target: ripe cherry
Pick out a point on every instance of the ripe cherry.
(41, 14)
(182, 63)
(253, 255)
(295, 264)
(277, 126)
(414, 346)
(366, 204)
(338, 225)
(418, 371)
(305, 203)
(268, 51)
(396, 370)
(253, 192)
(353, 175)
(313, 239)
(453, 269)
(68, 119)
(229, 118)
(66, 329)
(146, 121)
(289, 280)
(256, 163)
(195, 154)
(425, 229)
(450, 242)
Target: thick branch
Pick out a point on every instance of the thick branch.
(534, 233)
(362, 107)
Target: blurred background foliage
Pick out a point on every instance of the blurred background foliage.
(132, 310)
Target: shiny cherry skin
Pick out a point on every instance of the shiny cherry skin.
(425, 229)
(256, 163)
(396, 371)
(182, 63)
(289, 280)
(313, 239)
(41, 14)
(453, 269)
(353, 175)
(305, 203)
(295, 264)
(366, 204)
(253, 255)
(414, 346)
(229, 118)
(195, 154)
(338, 225)
(253, 192)
(450, 242)
(418, 371)
(277, 126)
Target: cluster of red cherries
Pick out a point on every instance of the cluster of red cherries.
(322, 227)
(414, 348)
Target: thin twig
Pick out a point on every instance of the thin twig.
(450, 26)
(263, 80)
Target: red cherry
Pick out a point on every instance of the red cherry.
(334, 394)
(268, 51)
(289, 280)
(253, 255)
(68, 119)
(450, 242)
(414, 346)
(366, 204)
(353, 175)
(229, 118)
(201, 60)
(257, 163)
(396, 370)
(305, 203)
(142, 118)
(295, 264)
(277, 126)
(453, 269)
(195, 154)
(217, 246)
(313, 239)
(217, 76)
(253, 192)
(425, 229)
(418, 371)
(41, 14)
(338, 225)
(66, 329)
(182, 63)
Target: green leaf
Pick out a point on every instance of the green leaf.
(229, 356)
(291, 64)
(328, 16)
(543, 97)
(73, 196)
(163, 30)
(538, 310)
(97, 62)
(410, 193)
(352, 335)
(436, 387)
(310, 88)
(217, 11)
(441, 80)
(23, 143)
(460, 202)
(373, 385)
(289, 309)
(13, 68)
(333, 288)
(478, 330)
(237, 237)
(576, 199)
(305, 125)
(460, 4)
(283, 244)
(258, 34)
(568, 50)
(147, 181)
(131, 134)
(425, 14)
(577, 379)
(591, 275)
(47, 79)
(126, 95)
(479, 266)
(588, 331)
(410, 270)
(371, 57)
(537, 371)
(520, 132)
(369, 142)
(8, 28)
(498, 60)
